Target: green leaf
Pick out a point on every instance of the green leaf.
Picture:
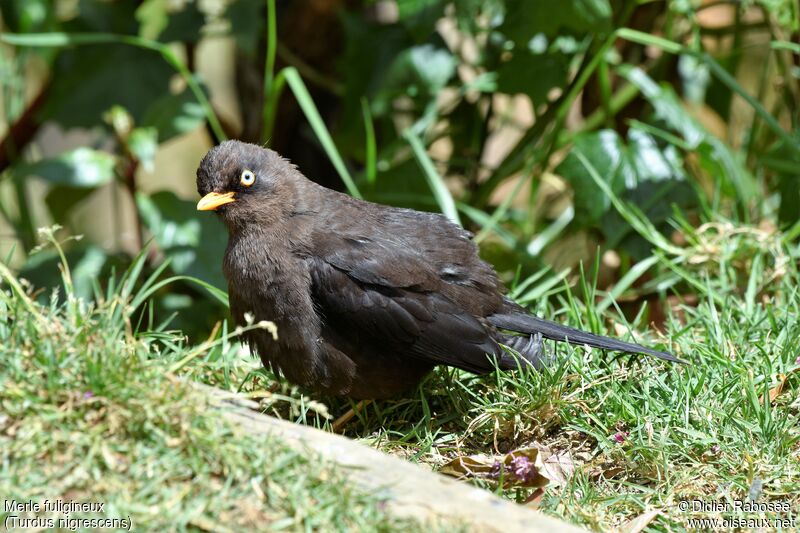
(667, 105)
(716, 158)
(174, 114)
(82, 167)
(403, 185)
(419, 17)
(526, 18)
(532, 74)
(28, 16)
(185, 25)
(409, 8)
(168, 22)
(696, 77)
(247, 19)
(194, 242)
(785, 45)
(419, 72)
(61, 199)
(466, 127)
(143, 143)
(90, 80)
(137, 43)
(471, 14)
(641, 172)
(112, 17)
(153, 17)
(719, 72)
(783, 163)
(606, 152)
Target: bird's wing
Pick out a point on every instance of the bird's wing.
(377, 260)
(391, 305)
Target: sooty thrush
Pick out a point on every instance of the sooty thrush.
(367, 298)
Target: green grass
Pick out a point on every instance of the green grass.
(90, 411)
(642, 434)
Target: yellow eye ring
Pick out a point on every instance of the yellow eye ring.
(248, 178)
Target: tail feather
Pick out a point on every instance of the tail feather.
(529, 325)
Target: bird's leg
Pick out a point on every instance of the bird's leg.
(530, 348)
(534, 344)
(539, 356)
(339, 423)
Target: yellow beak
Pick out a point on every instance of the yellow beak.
(212, 200)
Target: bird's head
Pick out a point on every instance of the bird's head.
(245, 184)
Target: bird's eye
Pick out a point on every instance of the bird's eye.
(248, 178)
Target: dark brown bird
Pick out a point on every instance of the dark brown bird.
(367, 298)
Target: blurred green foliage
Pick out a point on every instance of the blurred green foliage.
(461, 106)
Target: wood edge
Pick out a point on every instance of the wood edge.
(409, 490)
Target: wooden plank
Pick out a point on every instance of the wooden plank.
(409, 490)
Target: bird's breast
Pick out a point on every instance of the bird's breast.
(271, 284)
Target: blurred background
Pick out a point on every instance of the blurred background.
(523, 120)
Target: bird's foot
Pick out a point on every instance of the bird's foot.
(530, 348)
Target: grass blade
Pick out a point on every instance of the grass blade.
(306, 103)
(637, 220)
(272, 86)
(552, 231)
(716, 69)
(372, 150)
(435, 181)
(626, 282)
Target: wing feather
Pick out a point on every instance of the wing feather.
(399, 320)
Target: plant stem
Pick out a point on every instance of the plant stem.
(272, 87)
(22, 131)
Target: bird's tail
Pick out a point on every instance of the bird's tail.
(530, 325)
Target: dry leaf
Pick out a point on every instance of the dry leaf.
(516, 469)
(557, 467)
(535, 500)
(776, 391)
(468, 466)
(636, 525)
(612, 472)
